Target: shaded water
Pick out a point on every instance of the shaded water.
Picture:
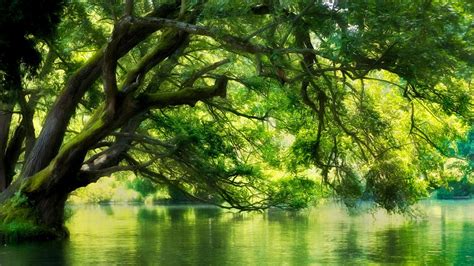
(199, 235)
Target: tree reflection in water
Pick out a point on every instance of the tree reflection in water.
(203, 235)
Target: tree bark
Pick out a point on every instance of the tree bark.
(51, 136)
(53, 168)
(5, 121)
(13, 152)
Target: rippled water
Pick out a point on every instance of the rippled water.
(200, 235)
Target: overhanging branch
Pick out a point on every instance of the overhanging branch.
(187, 96)
(237, 113)
(95, 174)
(190, 81)
(230, 41)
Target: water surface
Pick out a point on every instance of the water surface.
(203, 235)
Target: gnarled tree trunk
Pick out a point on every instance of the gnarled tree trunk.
(54, 168)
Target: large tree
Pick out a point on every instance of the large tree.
(193, 94)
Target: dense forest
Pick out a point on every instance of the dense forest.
(246, 104)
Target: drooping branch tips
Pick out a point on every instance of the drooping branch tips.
(163, 59)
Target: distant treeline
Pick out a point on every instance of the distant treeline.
(456, 190)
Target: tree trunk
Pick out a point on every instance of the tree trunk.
(5, 120)
(50, 209)
(51, 136)
(43, 194)
(40, 210)
(13, 151)
(52, 168)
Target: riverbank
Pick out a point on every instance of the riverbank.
(19, 232)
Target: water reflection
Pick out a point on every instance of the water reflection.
(47, 253)
(190, 235)
(349, 247)
(107, 209)
(392, 245)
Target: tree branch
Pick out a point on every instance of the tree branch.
(187, 96)
(55, 125)
(96, 174)
(153, 58)
(109, 66)
(230, 41)
(128, 8)
(237, 113)
(189, 82)
(144, 138)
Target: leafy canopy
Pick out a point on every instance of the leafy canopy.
(364, 97)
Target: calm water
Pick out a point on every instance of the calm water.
(197, 235)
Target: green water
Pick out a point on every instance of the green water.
(198, 235)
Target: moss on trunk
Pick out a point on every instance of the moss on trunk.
(22, 219)
(16, 232)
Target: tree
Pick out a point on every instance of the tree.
(20, 21)
(191, 94)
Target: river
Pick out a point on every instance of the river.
(204, 235)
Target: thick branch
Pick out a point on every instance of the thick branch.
(153, 58)
(14, 150)
(128, 8)
(187, 96)
(5, 120)
(109, 66)
(144, 138)
(27, 111)
(232, 42)
(112, 155)
(51, 136)
(93, 175)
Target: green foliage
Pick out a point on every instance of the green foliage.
(15, 209)
(349, 187)
(456, 190)
(365, 120)
(18, 222)
(307, 149)
(107, 190)
(366, 98)
(19, 22)
(295, 192)
(394, 185)
(466, 147)
(459, 174)
(15, 232)
(177, 195)
(143, 186)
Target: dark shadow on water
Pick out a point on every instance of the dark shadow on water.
(209, 212)
(466, 247)
(42, 253)
(175, 214)
(107, 208)
(180, 236)
(283, 216)
(146, 215)
(348, 248)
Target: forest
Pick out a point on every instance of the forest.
(248, 105)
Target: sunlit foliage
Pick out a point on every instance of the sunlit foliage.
(250, 104)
